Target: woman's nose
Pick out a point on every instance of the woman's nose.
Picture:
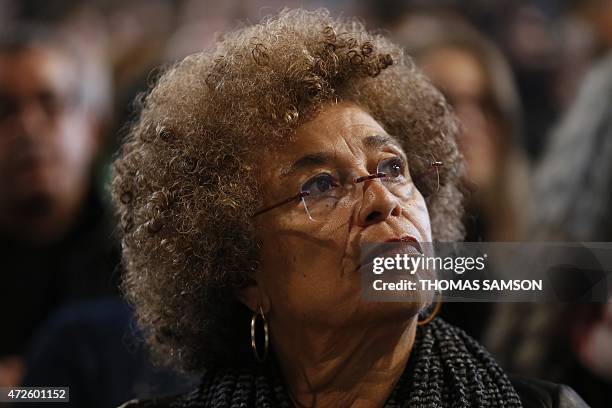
(377, 204)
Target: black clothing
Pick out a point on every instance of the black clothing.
(446, 368)
(95, 349)
(533, 394)
(35, 281)
(544, 394)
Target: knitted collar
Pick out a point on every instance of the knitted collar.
(446, 368)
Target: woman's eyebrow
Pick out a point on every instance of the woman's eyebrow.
(381, 140)
(307, 161)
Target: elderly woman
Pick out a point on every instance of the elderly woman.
(246, 188)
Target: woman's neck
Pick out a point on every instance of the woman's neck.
(344, 368)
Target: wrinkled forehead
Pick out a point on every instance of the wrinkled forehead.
(342, 133)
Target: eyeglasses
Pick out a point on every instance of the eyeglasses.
(328, 191)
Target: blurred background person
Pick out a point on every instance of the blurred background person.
(55, 234)
(574, 179)
(476, 80)
(59, 259)
(569, 342)
(94, 348)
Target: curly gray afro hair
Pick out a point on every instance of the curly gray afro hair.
(184, 179)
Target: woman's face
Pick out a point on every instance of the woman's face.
(309, 272)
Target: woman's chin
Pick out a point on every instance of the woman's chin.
(393, 311)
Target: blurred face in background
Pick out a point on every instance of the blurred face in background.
(459, 75)
(47, 144)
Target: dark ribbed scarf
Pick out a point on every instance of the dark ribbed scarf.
(447, 368)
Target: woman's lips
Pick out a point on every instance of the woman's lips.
(386, 250)
(408, 239)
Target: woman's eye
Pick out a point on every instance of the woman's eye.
(393, 167)
(320, 184)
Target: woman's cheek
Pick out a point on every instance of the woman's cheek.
(417, 214)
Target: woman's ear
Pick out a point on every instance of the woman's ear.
(253, 297)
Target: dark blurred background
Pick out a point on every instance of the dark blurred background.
(531, 82)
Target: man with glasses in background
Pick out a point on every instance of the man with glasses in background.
(55, 236)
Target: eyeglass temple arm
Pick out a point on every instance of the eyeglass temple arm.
(298, 196)
(433, 166)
